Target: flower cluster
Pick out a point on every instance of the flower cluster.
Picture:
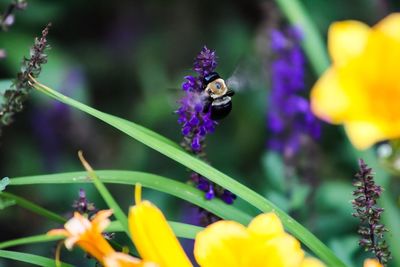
(224, 243)
(289, 114)
(83, 206)
(366, 209)
(15, 96)
(196, 124)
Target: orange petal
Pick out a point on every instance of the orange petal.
(118, 259)
(347, 40)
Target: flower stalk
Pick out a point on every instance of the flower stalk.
(15, 96)
(369, 213)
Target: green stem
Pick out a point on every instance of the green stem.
(108, 198)
(313, 43)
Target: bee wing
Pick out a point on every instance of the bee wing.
(246, 76)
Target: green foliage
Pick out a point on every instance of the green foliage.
(171, 150)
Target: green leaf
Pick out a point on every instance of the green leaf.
(182, 230)
(167, 148)
(313, 43)
(30, 258)
(29, 240)
(274, 170)
(3, 183)
(5, 203)
(345, 248)
(108, 198)
(33, 207)
(169, 186)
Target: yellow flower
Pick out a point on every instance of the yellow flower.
(152, 235)
(224, 243)
(372, 263)
(263, 243)
(361, 89)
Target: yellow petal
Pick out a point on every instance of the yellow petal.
(363, 134)
(311, 262)
(372, 263)
(154, 238)
(390, 26)
(329, 100)
(221, 244)
(283, 251)
(346, 40)
(266, 226)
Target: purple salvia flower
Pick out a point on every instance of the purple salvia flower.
(289, 115)
(196, 124)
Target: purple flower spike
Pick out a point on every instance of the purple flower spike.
(289, 115)
(206, 62)
(196, 125)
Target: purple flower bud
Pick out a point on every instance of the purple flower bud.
(210, 194)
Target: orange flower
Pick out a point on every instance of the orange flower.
(87, 234)
(361, 89)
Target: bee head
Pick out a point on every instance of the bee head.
(215, 85)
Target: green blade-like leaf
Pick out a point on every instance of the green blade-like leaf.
(312, 42)
(30, 258)
(159, 143)
(29, 240)
(108, 198)
(166, 185)
(182, 230)
(33, 207)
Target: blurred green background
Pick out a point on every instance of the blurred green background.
(128, 58)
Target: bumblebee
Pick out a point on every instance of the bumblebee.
(218, 96)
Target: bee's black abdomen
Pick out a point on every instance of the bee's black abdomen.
(220, 111)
